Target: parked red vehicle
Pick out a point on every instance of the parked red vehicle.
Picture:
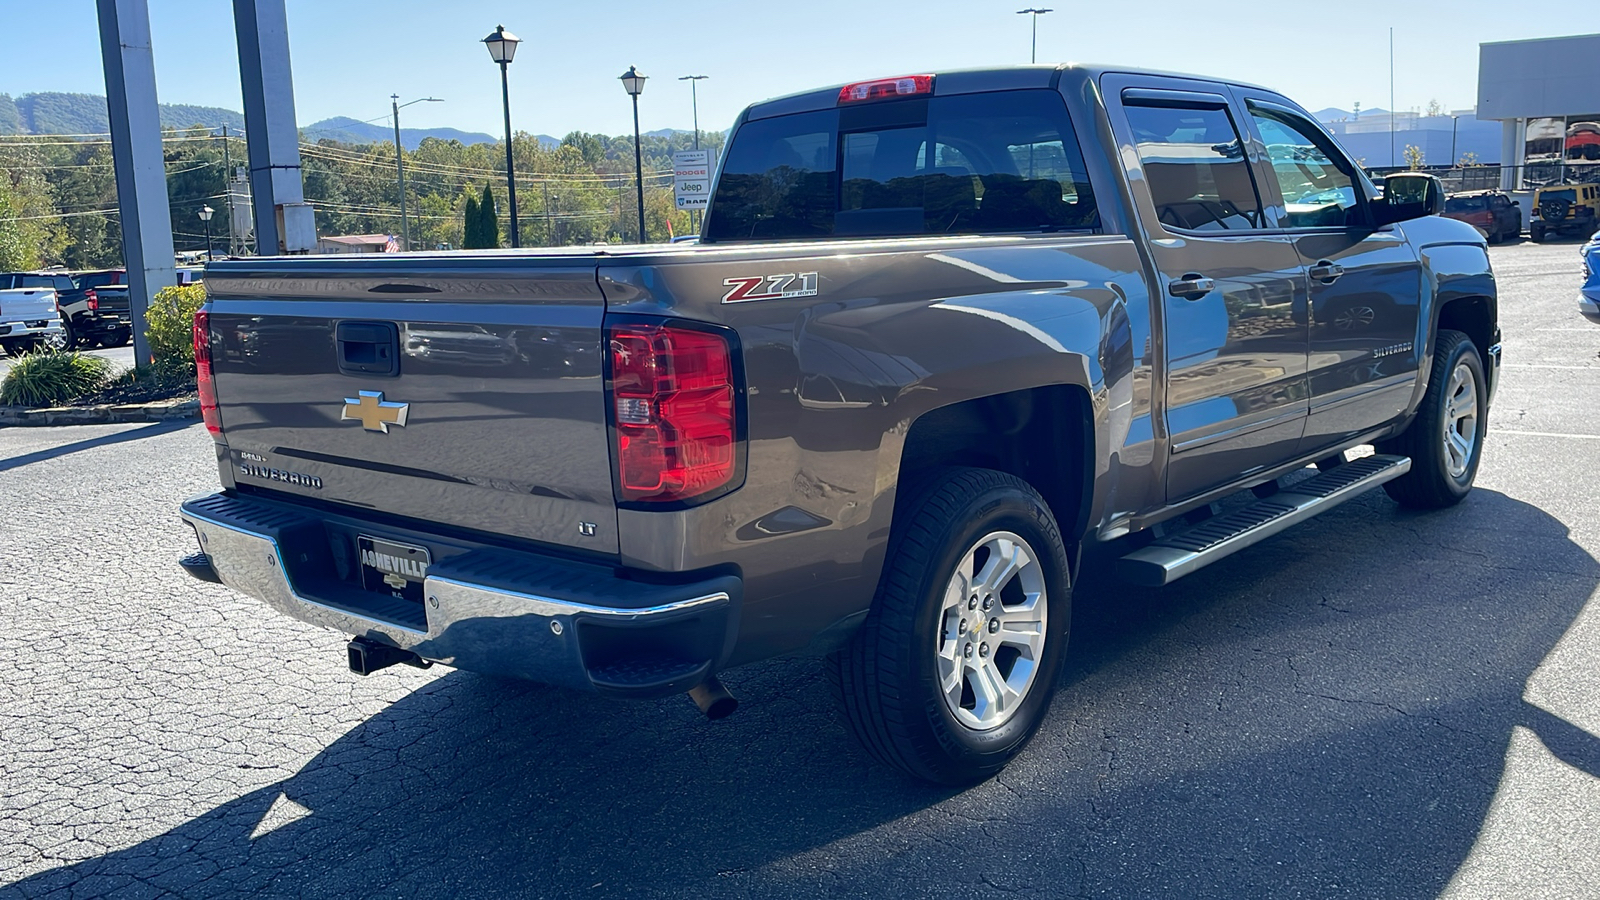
(1496, 214)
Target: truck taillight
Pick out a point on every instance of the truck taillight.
(93, 298)
(204, 379)
(674, 413)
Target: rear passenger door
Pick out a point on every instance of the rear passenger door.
(1366, 282)
(1233, 291)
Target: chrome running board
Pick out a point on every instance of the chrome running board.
(1176, 555)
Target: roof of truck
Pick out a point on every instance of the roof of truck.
(969, 81)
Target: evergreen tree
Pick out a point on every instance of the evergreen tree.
(491, 219)
(471, 237)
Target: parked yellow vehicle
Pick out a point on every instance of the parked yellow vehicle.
(1565, 209)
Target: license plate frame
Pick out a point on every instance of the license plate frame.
(394, 568)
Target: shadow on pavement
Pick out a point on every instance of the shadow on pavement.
(133, 434)
(1324, 715)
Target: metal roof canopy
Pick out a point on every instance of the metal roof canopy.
(284, 221)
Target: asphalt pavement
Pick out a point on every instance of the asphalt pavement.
(1377, 703)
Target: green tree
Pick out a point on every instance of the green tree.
(490, 219)
(472, 229)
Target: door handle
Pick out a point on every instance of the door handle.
(1191, 287)
(1326, 271)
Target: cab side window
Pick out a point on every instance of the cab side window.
(1194, 164)
(1318, 188)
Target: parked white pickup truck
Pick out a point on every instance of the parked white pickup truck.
(28, 320)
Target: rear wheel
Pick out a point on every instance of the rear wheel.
(1537, 233)
(1445, 440)
(12, 348)
(118, 338)
(952, 671)
(70, 339)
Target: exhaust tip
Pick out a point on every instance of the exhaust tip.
(713, 698)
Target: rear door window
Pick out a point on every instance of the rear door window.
(1195, 168)
(973, 163)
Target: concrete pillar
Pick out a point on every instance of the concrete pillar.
(284, 221)
(1511, 151)
(136, 150)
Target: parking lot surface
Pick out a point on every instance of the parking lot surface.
(1377, 703)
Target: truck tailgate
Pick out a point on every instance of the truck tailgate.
(503, 425)
(27, 305)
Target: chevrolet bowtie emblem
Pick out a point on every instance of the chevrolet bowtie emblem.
(373, 413)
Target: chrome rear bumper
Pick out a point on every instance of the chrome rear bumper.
(487, 610)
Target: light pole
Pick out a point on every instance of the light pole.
(633, 83)
(502, 47)
(400, 165)
(694, 100)
(206, 213)
(1036, 13)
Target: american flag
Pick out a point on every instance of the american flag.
(393, 246)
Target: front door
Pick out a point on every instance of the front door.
(1366, 283)
(1233, 293)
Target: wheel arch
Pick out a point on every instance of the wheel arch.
(1044, 435)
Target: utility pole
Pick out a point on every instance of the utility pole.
(1391, 97)
(400, 165)
(1033, 57)
(227, 185)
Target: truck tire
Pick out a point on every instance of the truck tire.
(117, 338)
(952, 671)
(1537, 234)
(1445, 440)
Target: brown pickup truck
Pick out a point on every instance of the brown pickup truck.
(938, 334)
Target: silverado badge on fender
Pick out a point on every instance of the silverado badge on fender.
(373, 413)
(777, 287)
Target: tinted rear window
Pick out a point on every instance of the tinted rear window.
(975, 163)
(98, 279)
(1466, 204)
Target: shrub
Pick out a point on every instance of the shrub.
(53, 378)
(158, 381)
(169, 323)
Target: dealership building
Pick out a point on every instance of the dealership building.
(1546, 95)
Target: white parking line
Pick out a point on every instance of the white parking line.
(1545, 366)
(1551, 434)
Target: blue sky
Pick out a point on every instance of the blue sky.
(350, 55)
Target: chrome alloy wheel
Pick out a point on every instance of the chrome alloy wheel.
(1460, 420)
(992, 629)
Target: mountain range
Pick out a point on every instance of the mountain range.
(85, 114)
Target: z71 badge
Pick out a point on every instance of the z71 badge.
(769, 287)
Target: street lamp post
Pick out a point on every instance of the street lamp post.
(400, 165)
(502, 47)
(206, 213)
(694, 101)
(1036, 13)
(633, 83)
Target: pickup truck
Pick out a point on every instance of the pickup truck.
(29, 318)
(103, 318)
(940, 333)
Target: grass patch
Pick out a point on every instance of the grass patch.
(53, 378)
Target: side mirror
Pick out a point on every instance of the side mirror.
(1409, 195)
(1516, 203)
